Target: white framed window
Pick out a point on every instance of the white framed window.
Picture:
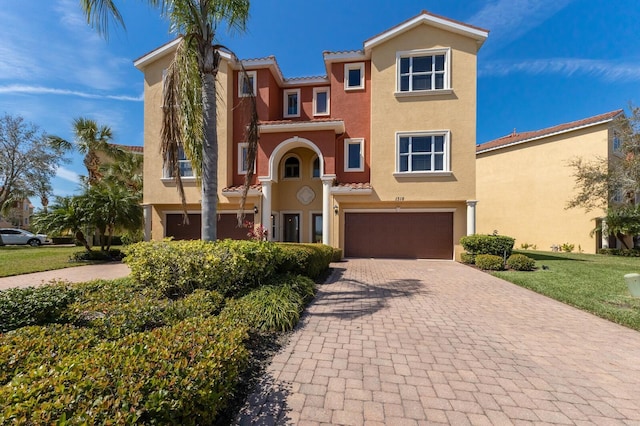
(315, 169)
(354, 76)
(242, 158)
(291, 167)
(321, 101)
(249, 85)
(617, 143)
(423, 70)
(354, 155)
(422, 152)
(184, 166)
(292, 103)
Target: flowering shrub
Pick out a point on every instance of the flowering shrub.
(256, 233)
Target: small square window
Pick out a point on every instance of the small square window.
(321, 101)
(292, 103)
(354, 155)
(248, 85)
(354, 76)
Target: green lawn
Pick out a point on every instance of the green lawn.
(16, 260)
(593, 283)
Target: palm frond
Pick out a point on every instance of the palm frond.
(100, 13)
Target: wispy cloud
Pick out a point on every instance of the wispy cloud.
(508, 20)
(67, 175)
(39, 90)
(609, 70)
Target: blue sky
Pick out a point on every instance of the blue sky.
(546, 61)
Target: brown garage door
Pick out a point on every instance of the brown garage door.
(399, 235)
(226, 227)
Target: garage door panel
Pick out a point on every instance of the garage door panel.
(399, 235)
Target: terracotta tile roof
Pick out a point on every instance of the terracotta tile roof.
(130, 148)
(303, 79)
(516, 138)
(353, 185)
(342, 52)
(238, 188)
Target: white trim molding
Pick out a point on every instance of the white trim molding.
(316, 91)
(303, 126)
(347, 144)
(354, 66)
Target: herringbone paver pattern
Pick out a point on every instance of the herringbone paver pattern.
(405, 342)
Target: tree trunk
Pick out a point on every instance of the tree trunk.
(80, 237)
(620, 237)
(209, 145)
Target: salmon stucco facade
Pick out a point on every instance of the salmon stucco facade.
(376, 158)
(524, 183)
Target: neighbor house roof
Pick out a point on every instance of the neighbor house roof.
(131, 148)
(516, 138)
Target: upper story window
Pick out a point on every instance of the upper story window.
(292, 103)
(291, 168)
(354, 155)
(184, 166)
(354, 76)
(425, 152)
(423, 70)
(617, 143)
(321, 101)
(242, 158)
(315, 172)
(247, 86)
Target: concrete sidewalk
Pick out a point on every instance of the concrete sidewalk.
(405, 342)
(75, 274)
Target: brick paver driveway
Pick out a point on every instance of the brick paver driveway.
(424, 342)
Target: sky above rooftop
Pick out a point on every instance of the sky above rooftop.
(545, 62)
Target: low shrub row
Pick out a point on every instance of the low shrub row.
(620, 252)
(498, 245)
(490, 262)
(310, 260)
(182, 374)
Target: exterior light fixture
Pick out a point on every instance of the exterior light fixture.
(255, 209)
(335, 208)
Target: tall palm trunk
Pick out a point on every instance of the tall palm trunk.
(209, 66)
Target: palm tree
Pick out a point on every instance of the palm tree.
(190, 96)
(67, 214)
(126, 170)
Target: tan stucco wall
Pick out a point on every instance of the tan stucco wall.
(523, 190)
(455, 112)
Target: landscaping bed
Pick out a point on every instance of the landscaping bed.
(167, 345)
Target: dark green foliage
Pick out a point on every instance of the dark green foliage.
(302, 285)
(20, 307)
(489, 262)
(183, 374)
(467, 258)
(337, 255)
(498, 245)
(520, 262)
(311, 260)
(112, 254)
(620, 252)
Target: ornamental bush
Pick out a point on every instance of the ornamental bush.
(20, 307)
(311, 260)
(498, 245)
(183, 374)
(467, 258)
(177, 268)
(489, 262)
(620, 252)
(520, 262)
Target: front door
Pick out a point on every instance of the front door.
(291, 227)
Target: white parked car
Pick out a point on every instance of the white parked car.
(20, 236)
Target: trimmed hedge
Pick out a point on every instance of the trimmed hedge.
(520, 262)
(20, 307)
(177, 268)
(311, 260)
(620, 252)
(183, 374)
(489, 262)
(498, 245)
(467, 258)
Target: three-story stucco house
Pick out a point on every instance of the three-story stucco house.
(377, 157)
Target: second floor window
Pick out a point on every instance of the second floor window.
(321, 101)
(423, 152)
(354, 76)
(292, 103)
(422, 71)
(291, 168)
(248, 85)
(184, 166)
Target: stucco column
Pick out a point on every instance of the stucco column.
(605, 234)
(471, 217)
(146, 212)
(266, 207)
(327, 183)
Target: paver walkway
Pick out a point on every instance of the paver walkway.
(107, 271)
(405, 342)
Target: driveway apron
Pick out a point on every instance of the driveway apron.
(406, 342)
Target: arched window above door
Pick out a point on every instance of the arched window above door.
(291, 169)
